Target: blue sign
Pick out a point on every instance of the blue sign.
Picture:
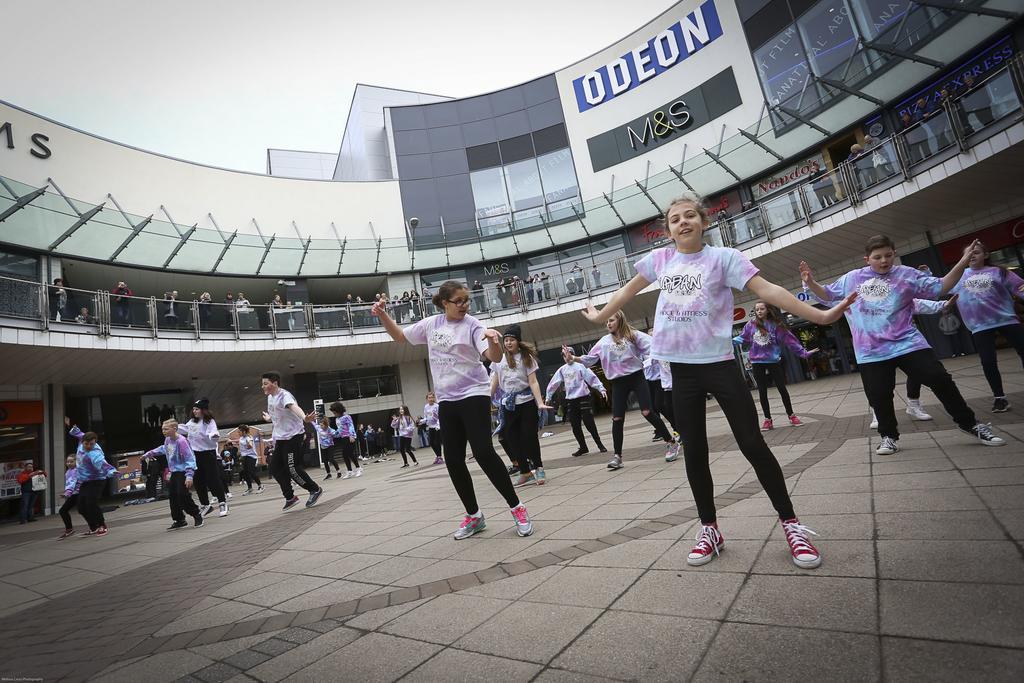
(657, 55)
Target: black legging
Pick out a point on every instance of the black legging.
(208, 478)
(985, 342)
(89, 502)
(327, 456)
(348, 453)
(405, 446)
(286, 466)
(435, 441)
(662, 401)
(65, 509)
(469, 420)
(691, 383)
(521, 432)
(579, 409)
(249, 472)
(621, 387)
(761, 371)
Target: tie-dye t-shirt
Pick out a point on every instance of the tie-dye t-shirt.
(694, 315)
(517, 380)
(881, 319)
(766, 345)
(652, 370)
(454, 348)
(666, 374)
(577, 379)
(619, 357)
(986, 298)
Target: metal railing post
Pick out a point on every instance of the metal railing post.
(273, 321)
(310, 320)
(151, 309)
(42, 295)
(195, 318)
(234, 321)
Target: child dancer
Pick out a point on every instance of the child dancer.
(203, 436)
(765, 336)
(433, 426)
(181, 462)
(289, 440)
(404, 427)
(250, 459)
(456, 343)
(325, 437)
(694, 322)
(345, 434)
(986, 306)
(885, 338)
(621, 353)
(93, 471)
(578, 380)
(516, 374)
(662, 404)
(70, 495)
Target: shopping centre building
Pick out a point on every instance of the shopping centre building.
(807, 124)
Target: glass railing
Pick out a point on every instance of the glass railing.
(354, 388)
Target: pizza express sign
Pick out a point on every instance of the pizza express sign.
(36, 141)
(649, 59)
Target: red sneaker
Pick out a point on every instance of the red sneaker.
(102, 531)
(805, 555)
(795, 421)
(67, 532)
(767, 426)
(709, 544)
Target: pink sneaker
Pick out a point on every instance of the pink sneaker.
(767, 426)
(709, 544)
(795, 421)
(805, 555)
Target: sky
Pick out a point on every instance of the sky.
(218, 82)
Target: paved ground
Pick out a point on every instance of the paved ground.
(923, 576)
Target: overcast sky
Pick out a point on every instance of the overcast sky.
(220, 81)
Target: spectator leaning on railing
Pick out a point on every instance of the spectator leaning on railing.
(122, 304)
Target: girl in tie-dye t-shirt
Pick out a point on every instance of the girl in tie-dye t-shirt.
(694, 334)
(986, 297)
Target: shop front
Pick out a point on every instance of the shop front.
(21, 443)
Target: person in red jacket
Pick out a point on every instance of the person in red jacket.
(28, 496)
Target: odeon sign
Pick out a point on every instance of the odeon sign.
(657, 55)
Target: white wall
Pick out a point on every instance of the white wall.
(730, 49)
(415, 384)
(86, 168)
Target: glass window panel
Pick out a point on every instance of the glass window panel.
(828, 35)
(494, 225)
(148, 249)
(483, 156)
(322, 258)
(875, 17)
(558, 176)
(550, 139)
(516, 149)
(19, 266)
(95, 239)
(35, 227)
(523, 181)
(284, 257)
(489, 192)
(200, 252)
(243, 256)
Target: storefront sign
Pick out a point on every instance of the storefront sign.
(647, 234)
(647, 60)
(739, 314)
(21, 412)
(37, 141)
(998, 236)
(789, 176)
(669, 122)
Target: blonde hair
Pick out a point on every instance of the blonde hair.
(688, 198)
(529, 352)
(172, 423)
(623, 329)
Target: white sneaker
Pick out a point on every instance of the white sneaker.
(673, 452)
(615, 463)
(223, 510)
(205, 510)
(347, 475)
(228, 496)
(888, 446)
(260, 489)
(874, 420)
(916, 412)
(246, 492)
(359, 471)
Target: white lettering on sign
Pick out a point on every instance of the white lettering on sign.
(660, 124)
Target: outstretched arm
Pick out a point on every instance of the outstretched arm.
(808, 279)
(774, 294)
(390, 326)
(950, 279)
(618, 300)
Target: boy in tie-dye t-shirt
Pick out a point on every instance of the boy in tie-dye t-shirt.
(884, 336)
(986, 296)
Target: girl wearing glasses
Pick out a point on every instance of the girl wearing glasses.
(456, 345)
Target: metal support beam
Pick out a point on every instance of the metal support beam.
(957, 7)
(266, 252)
(614, 210)
(851, 91)
(82, 220)
(135, 233)
(341, 257)
(21, 203)
(807, 122)
(377, 264)
(684, 181)
(305, 250)
(717, 160)
(546, 230)
(227, 245)
(753, 138)
(181, 242)
(902, 54)
(649, 198)
(579, 217)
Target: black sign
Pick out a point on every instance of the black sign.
(687, 112)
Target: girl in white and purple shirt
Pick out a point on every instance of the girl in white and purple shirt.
(456, 345)
(578, 381)
(621, 353)
(344, 433)
(433, 425)
(404, 426)
(694, 323)
(986, 296)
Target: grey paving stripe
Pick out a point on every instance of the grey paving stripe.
(79, 634)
